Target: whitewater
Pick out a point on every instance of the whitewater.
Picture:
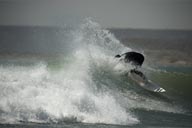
(85, 85)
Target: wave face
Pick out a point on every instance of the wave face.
(86, 85)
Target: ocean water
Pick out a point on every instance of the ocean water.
(87, 87)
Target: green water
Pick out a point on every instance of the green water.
(176, 80)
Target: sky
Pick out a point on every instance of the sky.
(147, 14)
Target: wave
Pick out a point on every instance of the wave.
(89, 87)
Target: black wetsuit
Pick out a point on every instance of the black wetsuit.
(138, 73)
(133, 57)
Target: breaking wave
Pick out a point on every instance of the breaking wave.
(89, 87)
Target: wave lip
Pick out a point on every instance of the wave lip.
(36, 93)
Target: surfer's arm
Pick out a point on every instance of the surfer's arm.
(124, 54)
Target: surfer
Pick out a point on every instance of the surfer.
(133, 58)
(137, 59)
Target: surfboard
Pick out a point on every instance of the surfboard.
(139, 78)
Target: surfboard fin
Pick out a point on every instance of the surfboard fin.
(160, 90)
